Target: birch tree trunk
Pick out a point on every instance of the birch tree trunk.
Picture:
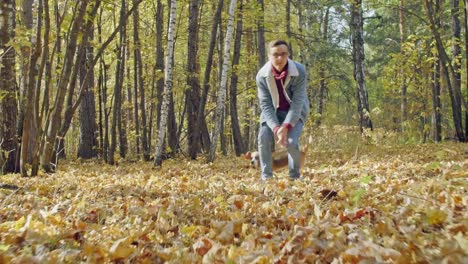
(222, 89)
(167, 85)
(159, 67)
(356, 26)
(8, 106)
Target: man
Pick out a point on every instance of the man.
(284, 104)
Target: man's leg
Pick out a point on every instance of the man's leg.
(265, 141)
(293, 150)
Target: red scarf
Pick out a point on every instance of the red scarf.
(280, 77)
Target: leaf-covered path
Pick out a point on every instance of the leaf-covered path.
(374, 204)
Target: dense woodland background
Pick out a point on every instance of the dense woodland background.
(148, 80)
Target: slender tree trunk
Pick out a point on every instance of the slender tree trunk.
(236, 131)
(261, 34)
(135, 85)
(71, 107)
(466, 64)
(436, 105)
(206, 80)
(29, 131)
(102, 93)
(288, 28)
(8, 107)
(358, 61)
(251, 109)
(56, 114)
(322, 71)
(436, 90)
(159, 61)
(106, 113)
(139, 80)
(129, 109)
(456, 62)
(167, 85)
(404, 99)
(222, 90)
(157, 80)
(451, 76)
(120, 68)
(192, 94)
(45, 102)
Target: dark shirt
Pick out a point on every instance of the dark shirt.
(280, 78)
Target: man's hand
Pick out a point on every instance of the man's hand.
(282, 135)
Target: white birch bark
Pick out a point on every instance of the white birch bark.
(224, 75)
(167, 85)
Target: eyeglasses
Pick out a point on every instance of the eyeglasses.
(277, 55)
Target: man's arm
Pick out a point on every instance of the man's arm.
(298, 99)
(266, 103)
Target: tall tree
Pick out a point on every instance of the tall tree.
(140, 84)
(87, 113)
(465, 2)
(236, 131)
(47, 162)
(222, 90)
(261, 34)
(288, 27)
(357, 33)
(404, 99)
(436, 82)
(206, 79)
(167, 94)
(322, 70)
(159, 66)
(192, 94)
(30, 58)
(8, 106)
(451, 77)
(120, 69)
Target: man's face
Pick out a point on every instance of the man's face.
(278, 56)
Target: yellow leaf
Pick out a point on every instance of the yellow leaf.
(20, 223)
(435, 216)
(4, 247)
(189, 230)
(463, 242)
(121, 249)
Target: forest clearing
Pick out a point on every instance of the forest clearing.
(371, 204)
(124, 124)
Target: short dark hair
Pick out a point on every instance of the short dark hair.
(277, 42)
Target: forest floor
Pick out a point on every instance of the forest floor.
(368, 204)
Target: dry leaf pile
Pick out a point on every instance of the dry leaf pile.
(387, 205)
